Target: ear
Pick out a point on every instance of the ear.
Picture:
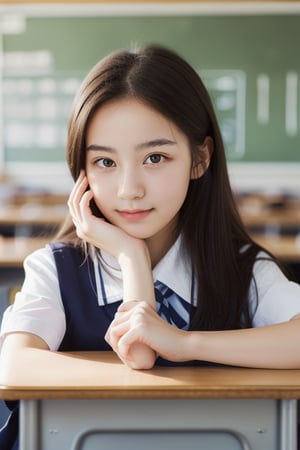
(202, 161)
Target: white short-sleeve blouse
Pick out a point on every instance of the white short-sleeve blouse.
(38, 307)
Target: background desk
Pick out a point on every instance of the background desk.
(93, 401)
(269, 211)
(286, 248)
(32, 219)
(13, 251)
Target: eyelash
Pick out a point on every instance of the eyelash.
(162, 158)
(100, 162)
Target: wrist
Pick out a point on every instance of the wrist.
(134, 254)
(194, 346)
(137, 276)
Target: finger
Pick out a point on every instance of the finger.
(84, 204)
(120, 317)
(126, 341)
(76, 194)
(129, 305)
(75, 187)
(78, 214)
(114, 333)
(83, 215)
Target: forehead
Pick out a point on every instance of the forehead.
(132, 119)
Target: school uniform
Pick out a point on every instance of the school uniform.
(64, 291)
(69, 299)
(92, 297)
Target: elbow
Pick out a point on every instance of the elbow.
(11, 362)
(6, 372)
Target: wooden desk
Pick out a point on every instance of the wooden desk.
(24, 220)
(14, 250)
(33, 214)
(93, 401)
(280, 219)
(258, 210)
(286, 248)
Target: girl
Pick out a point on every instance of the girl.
(155, 263)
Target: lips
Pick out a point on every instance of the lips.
(134, 215)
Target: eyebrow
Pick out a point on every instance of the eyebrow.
(155, 143)
(144, 145)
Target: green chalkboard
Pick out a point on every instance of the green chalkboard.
(250, 65)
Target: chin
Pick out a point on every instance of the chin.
(143, 236)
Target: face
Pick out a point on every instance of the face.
(138, 166)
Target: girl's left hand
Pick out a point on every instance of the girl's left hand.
(137, 322)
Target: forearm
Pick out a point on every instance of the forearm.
(137, 277)
(275, 346)
(138, 286)
(33, 364)
(25, 360)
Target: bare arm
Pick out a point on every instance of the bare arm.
(21, 350)
(131, 253)
(26, 360)
(274, 346)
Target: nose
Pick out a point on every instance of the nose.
(131, 185)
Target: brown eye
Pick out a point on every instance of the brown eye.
(105, 162)
(156, 158)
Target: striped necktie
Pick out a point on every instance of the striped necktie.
(171, 307)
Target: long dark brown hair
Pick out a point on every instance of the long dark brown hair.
(221, 252)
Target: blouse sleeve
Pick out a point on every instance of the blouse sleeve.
(273, 298)
(38, 307)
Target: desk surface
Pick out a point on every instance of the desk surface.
(284, 218)
(102, 375)
(35, 214)
(13, 251)
(286, 248)
(265, 210)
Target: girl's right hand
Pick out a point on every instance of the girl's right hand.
(136, 323)
(96, 230)
(131, 253)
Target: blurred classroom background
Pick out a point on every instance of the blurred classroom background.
(248, 56)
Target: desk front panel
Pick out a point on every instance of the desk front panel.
(146, 424)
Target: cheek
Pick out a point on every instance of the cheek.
(179, 182)
(100, 191)
(173, 191)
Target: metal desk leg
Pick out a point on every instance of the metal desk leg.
(29, 425)
(288, 424)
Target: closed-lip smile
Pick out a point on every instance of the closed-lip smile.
(134, 214)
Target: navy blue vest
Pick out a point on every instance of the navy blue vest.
(86, 321)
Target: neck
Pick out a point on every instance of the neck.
(161, 243)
